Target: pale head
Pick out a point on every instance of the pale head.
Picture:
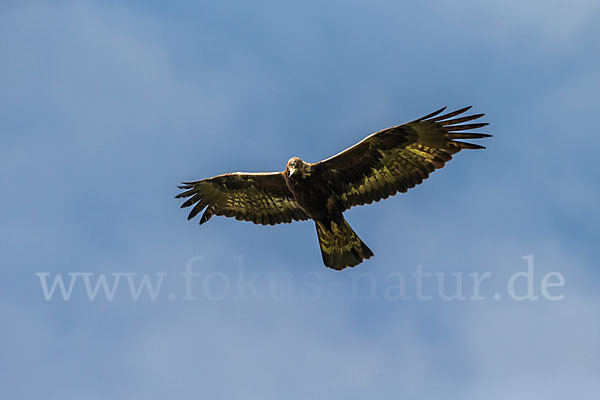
(296, 165)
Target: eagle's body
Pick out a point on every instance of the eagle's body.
(384, 163)
(311, 190)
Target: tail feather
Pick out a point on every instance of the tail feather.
(340, 245)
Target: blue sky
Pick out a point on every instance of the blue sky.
(106, 106)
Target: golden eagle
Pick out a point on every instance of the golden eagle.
(384, 163)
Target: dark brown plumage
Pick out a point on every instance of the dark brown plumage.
(384, 163)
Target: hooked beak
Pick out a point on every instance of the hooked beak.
(292, 170)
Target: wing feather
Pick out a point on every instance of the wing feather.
(262, 198)
(448, 115)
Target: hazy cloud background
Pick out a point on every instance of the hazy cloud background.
(106, 106)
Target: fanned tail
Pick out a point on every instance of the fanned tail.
(340, 245)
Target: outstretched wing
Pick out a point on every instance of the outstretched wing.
(260, 198)
(398, 158)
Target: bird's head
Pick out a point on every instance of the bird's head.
(297, 166)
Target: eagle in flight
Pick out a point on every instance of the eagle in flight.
(384, 163)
